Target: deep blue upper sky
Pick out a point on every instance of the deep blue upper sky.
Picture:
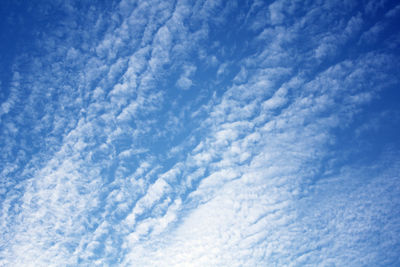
(199, 133)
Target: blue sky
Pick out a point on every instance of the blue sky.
(199, 133)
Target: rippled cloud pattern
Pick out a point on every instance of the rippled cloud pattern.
(199, 133)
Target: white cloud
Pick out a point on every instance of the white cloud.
(185, 82)
(276, 15)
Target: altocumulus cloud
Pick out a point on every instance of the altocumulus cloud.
(199, 133)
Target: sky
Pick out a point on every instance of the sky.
(199, 133)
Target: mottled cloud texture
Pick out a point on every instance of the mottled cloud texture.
(200, 133)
